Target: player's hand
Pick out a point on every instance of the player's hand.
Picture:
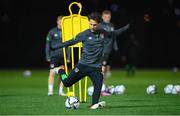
(127, 26)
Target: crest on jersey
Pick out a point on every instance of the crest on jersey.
(76, 69)
(90, 38)
(55, 35)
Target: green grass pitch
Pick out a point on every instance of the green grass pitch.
(20, 95)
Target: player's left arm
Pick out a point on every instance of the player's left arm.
(118, 31)
(48, 46)
(121, 30)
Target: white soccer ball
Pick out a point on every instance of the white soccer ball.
(90, 90)
(110, 89)
(72, 103)
(119, 89)
(168, 89)
(151, 89)
(27, 73)
(176, 89)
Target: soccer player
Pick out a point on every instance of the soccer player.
(110, 45)
(55, 56)
(130, 55)
(90, 62)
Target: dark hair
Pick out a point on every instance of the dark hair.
(106, 12)
(95, 16)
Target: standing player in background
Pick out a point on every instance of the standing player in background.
(110, 45)
(131, 54)
(55, 56)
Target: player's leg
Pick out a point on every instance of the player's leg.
(106, 73)
(76, 74)
(51, 76)
(54, 62)
(61, 92)
(108, 65)
(50, 82)
(103, 89)
(104, 68)
(132, 66)
(97, 79)
(60, 62)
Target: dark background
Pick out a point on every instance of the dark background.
(25, 24)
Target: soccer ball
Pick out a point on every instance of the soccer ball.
(119, 89)
(110, 89)
(176, 89)
(72, 103)
(151, 89)
(27, 73)
(90, 90)
(168, 89)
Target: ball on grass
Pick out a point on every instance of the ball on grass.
(168, 89)
(111, 89)
(27, 73)
(151, 89)
(176, 89)
(119, 89)
(72, 103)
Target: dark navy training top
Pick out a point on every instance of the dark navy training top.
(93, 45)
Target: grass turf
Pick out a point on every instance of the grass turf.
(20, 95)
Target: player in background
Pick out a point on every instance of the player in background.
(55, 56)
(110, 45)
(90, 61)
(130, 54)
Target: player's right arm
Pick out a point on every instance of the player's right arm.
(73, 41)
(48, 46)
